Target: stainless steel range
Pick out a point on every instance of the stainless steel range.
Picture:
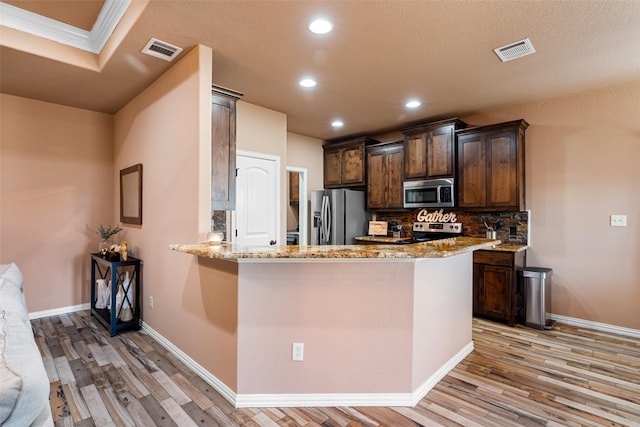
(428, 231)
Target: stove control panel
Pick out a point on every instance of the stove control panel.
(438, 227)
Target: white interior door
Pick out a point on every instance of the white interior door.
(257, 199)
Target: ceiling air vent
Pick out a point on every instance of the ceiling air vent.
(161, 50)
(515, 50)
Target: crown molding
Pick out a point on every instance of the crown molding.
(91, 41)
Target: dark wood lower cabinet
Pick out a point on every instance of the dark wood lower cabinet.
(496, 294)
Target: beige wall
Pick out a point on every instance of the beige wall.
(56, 169)
(375, 334)
(582, 165)
(306, 152)
(262, 130)
(164, 129)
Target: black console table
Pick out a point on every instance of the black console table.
(125, 277)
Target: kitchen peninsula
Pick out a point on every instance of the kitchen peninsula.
(380, 324)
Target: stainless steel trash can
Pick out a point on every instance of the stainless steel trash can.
(537, 296)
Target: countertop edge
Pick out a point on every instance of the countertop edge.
(506, 247)
(343, 253)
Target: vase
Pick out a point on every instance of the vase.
(103, 247)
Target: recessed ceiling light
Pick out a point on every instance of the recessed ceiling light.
(321, 26)
(413, 103)
(307, 82)
(337, 123)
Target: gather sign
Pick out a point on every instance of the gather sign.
(437, 216)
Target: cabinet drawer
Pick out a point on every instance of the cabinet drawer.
(504, 259)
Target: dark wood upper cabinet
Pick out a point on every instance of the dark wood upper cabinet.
(332, 167)
(384, 175)
(223, 148)
(344, 163)
(415, 159)
(490, 166)
(429, 149)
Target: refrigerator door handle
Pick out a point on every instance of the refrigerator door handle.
(327, 221)
(317, 227)
(322, 221)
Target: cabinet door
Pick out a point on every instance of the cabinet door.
(472, 171)
(415, 154)
(490, 167)
(496, 294)
(332, 167)
(353, 165)
(384, 177)
(492, 291)
(395, 161)
(223, 153)
(376, 179)
(502, 183)
(440, 152)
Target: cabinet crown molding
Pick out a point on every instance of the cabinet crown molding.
(362, 139)
(522, 123)
(419, 128)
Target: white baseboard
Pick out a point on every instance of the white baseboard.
(311, 399)
(58, 311)
(604, 327)
(352, 399)
(441, 373)
(213, 381)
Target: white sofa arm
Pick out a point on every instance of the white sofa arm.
(24, 400)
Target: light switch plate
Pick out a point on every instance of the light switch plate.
(618, 220)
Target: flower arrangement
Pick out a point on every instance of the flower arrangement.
(107, 232)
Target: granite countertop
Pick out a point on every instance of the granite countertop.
(501, 247)
(436, 249)
(509, 247)
(381, 239)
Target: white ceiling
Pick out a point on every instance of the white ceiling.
(380, 54)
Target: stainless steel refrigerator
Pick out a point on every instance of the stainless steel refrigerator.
(338, 216)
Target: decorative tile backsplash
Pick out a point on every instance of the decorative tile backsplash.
(514, 230)
(515, 227)
(220, 222)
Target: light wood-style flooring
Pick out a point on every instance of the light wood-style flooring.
(515, 377)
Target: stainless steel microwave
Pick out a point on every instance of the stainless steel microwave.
(430, 193)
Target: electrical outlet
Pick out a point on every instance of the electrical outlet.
(513, 230)
(297, 352)
(150, 302)
(618, 221)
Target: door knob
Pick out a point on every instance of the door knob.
(273, 242)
